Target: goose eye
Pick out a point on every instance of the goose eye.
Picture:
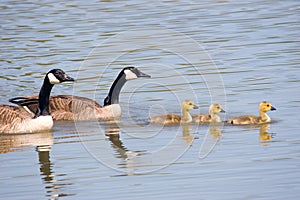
(58, 73)
(268, 105)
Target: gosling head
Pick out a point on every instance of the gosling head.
(133, 73)
(215, 108)
(188, 105)
(56, 76)
(265, 106)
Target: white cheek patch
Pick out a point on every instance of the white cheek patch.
(53, 79)
(130, 75)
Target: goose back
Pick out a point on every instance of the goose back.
(15, 120)
(69, 108)
(18, 120)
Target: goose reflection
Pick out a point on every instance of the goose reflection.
(112, 131)
(45, 163)
(53, 187)
(14, 142)
(43, 143)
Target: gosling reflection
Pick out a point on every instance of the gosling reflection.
(212, 137)
(264, 136)
(215, 130)
(186, 133)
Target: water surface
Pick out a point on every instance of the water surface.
(236, 53)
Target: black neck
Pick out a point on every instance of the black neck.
(43, 105)
(115, 89)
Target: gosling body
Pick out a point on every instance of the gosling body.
(263, 118)
(214, 109)
(173, 119)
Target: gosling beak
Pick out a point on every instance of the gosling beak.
(222, 111)
(273, 108)
(195, 107)
(68, 78)
(141, 74)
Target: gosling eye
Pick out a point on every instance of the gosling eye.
(268, 105)
(218, 107)
(190, 104)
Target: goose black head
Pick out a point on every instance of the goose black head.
(57, 76)
(126, 74)
(134, 73)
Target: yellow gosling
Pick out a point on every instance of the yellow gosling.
(214, 109)
(173, 119)
(264, 107)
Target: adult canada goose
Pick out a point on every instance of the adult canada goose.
(172, 119)
(264, 107)
(68, 107)
(214, 109)
(17, 120)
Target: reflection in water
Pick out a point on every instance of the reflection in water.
(112, 131)
(211, 139)
(45, 164)
(186, 129)
(52, 186)
(215, 131)
(264, 136)
(45, 34)
(14, 142)
(43, 143)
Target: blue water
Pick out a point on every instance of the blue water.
(234, 53)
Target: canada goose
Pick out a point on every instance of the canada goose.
(172, 119)
(250, 119)
(16, 120)
(68, 107)
(214, 109)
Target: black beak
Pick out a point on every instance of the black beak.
(222, 110)
(195, 107)
(68, 78)
(141, 74)
(273, 108)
